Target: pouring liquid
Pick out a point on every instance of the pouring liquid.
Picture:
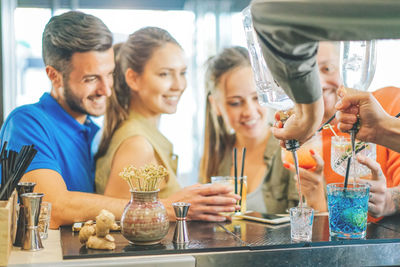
(296, 165)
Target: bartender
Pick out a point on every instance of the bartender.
(289, 31)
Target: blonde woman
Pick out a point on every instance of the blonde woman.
(234, 118)
(149, 79)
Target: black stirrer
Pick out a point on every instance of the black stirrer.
(327, 122)
(241, 175)
(235, 168)
(346, 177)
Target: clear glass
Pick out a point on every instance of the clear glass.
(348, 209)
(269, 92)
(358, 62)
(241, 187)
(341, 151)
(44, 219)
(304, 156)
(301, 222)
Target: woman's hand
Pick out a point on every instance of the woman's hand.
(312, 183)
(207, 201)
(383, 201)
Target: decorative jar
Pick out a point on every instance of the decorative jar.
(145, 219)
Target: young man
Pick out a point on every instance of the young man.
(78, 54)
(79, 59)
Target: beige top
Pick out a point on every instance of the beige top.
(278, 188)
(137, 125)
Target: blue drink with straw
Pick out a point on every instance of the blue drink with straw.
(348, 208)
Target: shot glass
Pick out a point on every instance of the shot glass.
(301, 222)
(241, 189)
(348, 208)
(44, 219)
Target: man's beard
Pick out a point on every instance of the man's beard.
(73, 102)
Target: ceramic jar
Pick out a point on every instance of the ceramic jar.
(145, 219)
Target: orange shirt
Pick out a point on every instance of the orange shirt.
(389, 98)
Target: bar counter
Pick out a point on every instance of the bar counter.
(238, 243)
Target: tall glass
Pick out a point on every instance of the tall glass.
(341, 151)
(241, 187)
(348, 209)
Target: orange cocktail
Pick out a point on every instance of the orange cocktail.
(304, 156)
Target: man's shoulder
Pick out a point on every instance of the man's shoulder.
(26, 117)
(389, 98)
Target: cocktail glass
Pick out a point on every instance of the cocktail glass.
(301, 221)
(348, 208)
(230, 181)
(341, 151)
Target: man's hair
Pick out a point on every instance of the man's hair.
(72, 32)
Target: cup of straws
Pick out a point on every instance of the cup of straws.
(13, 167)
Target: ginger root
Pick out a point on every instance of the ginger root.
(104, 222)
(86, 232)
(97, 235)
(101, 242)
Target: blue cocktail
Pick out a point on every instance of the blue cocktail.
(348, 210)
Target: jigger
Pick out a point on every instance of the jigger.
(31, 240)
(181, 234)
(22, 188)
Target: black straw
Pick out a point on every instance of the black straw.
(235, 169)
(13, 167)
(241, 175)
(346, 177)
(327, 122)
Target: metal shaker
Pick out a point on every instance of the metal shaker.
(22, 188)
(181, 233)
(31, 239)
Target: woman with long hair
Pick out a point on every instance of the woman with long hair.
(234, 118)
(149, 79)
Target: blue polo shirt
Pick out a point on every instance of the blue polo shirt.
(63, 144)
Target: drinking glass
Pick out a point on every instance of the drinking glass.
(301, 221)
(341, 151)
(230, 181)
(44, 219)
(348, 208)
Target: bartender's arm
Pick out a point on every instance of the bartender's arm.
(70, 206)
(289, 32)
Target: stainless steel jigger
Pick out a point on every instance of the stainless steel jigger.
(31, 240)
(22, 188)
(181, 234)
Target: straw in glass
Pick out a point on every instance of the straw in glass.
(235, 169)
(241, 175)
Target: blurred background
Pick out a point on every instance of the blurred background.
(202, 27)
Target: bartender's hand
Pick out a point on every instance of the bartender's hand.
(312, 183)
(303, 124)
(383, 201)
(360, 104)
(207, 201)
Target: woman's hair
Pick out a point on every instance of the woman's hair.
(217, 137)
(132, 54)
